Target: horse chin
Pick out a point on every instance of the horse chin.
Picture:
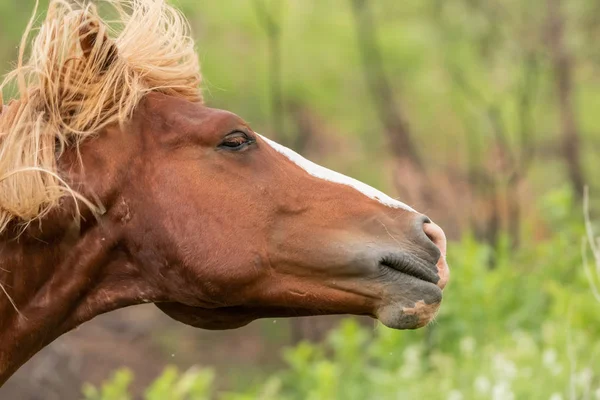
(399, 312)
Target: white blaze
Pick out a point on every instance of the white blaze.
(326, 174)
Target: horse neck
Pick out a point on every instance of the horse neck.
(25, 266)
(49, 288)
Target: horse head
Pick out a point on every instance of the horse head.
(119, 186)
(234, 226)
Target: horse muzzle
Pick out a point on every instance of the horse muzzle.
(418, 276)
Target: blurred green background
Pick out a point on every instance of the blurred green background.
(482, 114)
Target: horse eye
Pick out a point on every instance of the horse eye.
(236, 141)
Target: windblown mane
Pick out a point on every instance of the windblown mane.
(81, 75)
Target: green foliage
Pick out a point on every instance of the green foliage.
(388, 366)
(194, 384)
(117, 388)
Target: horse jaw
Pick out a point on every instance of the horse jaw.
(205, 318)
(230, 317)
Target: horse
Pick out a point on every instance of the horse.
(119, 186)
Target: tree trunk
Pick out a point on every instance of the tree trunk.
(396, 125)
(562, 64)
(273, 31)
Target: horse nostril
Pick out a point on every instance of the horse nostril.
(436, 235)
(438, 238)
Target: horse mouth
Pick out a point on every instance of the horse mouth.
(411, 266)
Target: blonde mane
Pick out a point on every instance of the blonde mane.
(81, 75)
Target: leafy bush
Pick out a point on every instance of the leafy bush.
(361, 363)
(194, 384)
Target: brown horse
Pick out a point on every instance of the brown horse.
(119, 187)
